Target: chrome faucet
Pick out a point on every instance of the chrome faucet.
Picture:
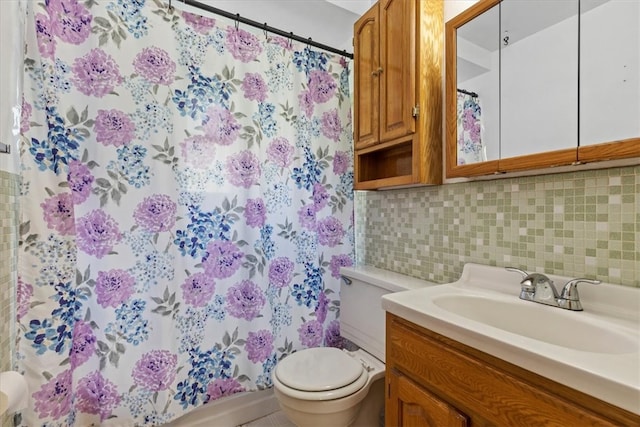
(539, 288)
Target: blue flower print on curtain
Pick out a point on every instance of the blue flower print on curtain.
(186, 206)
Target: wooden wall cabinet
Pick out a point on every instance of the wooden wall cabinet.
(398, 47)
(437, 382)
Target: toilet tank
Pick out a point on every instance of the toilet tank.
(362, 319)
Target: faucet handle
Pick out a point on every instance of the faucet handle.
(517, 270)
(570, 290)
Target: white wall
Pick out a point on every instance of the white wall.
(11, 43)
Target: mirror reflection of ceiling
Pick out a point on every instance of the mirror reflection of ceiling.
(527, 18)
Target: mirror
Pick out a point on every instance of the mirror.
(609, 71)
(538, 76)
(538, 83)
(478, 88)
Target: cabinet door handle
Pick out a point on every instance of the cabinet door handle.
(377, 72)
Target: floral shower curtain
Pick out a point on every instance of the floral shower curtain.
(186, 206)
(470, 146)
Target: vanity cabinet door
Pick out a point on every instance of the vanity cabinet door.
(408, 404)
(397, 68)
(367, 90)
(384, 64)
(428, 374)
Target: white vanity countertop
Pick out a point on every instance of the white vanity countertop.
(604, 372)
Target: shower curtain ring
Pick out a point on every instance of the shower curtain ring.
(237, 21)
(266, 36)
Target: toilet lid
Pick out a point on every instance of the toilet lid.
(318, 369)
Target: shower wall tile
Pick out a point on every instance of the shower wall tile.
(574, 224)
(8, 271)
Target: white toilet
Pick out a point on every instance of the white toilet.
(324, 386)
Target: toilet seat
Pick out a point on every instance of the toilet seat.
(322, 373)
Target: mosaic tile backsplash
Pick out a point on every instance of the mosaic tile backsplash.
(579, 224)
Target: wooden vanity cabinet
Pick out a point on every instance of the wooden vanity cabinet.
(438, 382)
(397, 124)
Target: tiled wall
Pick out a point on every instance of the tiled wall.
(8, 247)
(583, 224)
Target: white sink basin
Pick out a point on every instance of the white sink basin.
(596, 351)
(549, 324)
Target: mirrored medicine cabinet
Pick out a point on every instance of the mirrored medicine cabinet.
(535, 83)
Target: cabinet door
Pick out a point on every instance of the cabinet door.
(367, 86)
(408, 404)
(397, 68)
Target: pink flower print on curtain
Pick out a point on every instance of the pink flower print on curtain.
(311, 333)
(156, 213)
(155, 65)
(53, 399)
(280, 152)
(330, 231)
(114, 287)
(46, 40)
(96, 73)
(332, 337)
(322, 307)
(338, 261)
(307, 217)
(80, 180)
(322, 86)
(331, 125)
(245, 300)
(255, 212)
(97, 233)
(221, 387)
(114, 127)
(243, 45)
(281, 272)
(58, 213)
(199, 23)
(155, 371)
(24, 293)
(341, 162)
(198, 289)
(222, 260)
(259, 345)
(83, 346)
(244, 169)
(221, 126)
(70, 20)
(97, 395)
(254, 87)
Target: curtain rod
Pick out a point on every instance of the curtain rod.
(265, 27)
(466, 92)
